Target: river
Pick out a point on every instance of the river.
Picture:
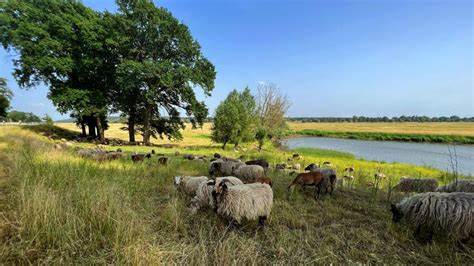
(423, 154)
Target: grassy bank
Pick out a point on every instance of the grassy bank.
(381, 136)
(58, 208)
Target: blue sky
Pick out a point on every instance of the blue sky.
(331, 58)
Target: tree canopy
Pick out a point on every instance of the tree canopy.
(5, 97)
(234, 120)
(140, 61)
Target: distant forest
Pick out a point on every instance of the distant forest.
(118, 119)
(402, 118)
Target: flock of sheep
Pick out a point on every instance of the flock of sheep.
(241, 190)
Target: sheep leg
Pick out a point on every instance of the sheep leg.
(423, 235)
(317, 192)
(261, 220)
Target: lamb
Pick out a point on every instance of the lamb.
(248, 201)
(189, 184)
(435, 212)
(249, 172)
(204, 197)
(221, 167)
(459, 186)
(416, 185)
(280, 166)
(262, 162)
(188, 157)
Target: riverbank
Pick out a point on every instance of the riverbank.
(59, 208)
(381, 136)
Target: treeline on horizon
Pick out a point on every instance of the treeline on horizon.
(402, 118)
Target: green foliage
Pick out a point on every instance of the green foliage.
(17, 116)
(48, 120)
(260, 135)
(62, 44)
(5, 97)
(234, 120)
(384, 136)
(161, 65)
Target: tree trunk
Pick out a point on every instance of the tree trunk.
(83, 129)
(131, 126)
(223, 146)
(100, 130)
(146, 124)
(91, 125)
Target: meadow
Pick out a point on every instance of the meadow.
(58, 208)
(443, 132)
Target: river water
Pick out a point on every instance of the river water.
(423, 154)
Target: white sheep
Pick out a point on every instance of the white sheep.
(204, 196)
(434, 212)
(416, 185)
(248, 201)
(189, 184)
(249, 172)
(459, 186)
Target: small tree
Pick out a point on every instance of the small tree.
(48, 120)
(271, 108)
(260, 136)
(234, 119)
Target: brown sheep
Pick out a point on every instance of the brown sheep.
(140, 157)
(315, 179)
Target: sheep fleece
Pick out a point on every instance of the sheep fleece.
(249, 172)
(249, 201)
(461, 186)
(190, 184)
(452, 213)
(416, 185)
(204, 192)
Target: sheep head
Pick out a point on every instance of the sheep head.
(397, 215)
(177, 180)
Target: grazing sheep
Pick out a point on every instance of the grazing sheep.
(296, 156)
(434, 212)
(140, 157)
(204, 197)
(315, 179)
(189, 184)
(380, 176)
(113, 155)
(416, 185)
(262, 162)
(248, 201)
(163, 160)
(222, 167)
(189, 157)
(349, 169)
(217, 155)
(249, 172)
(280, 166)
(460, 186)
(328, 173)
(312, 167)
(327, 164)
(119, 150)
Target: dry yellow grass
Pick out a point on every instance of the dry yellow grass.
(458, 128)
(191, 137)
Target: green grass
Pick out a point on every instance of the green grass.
(57, 208)
(411, 137)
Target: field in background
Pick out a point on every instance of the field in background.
(455, 128)
(58, 208)
(201, 136)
